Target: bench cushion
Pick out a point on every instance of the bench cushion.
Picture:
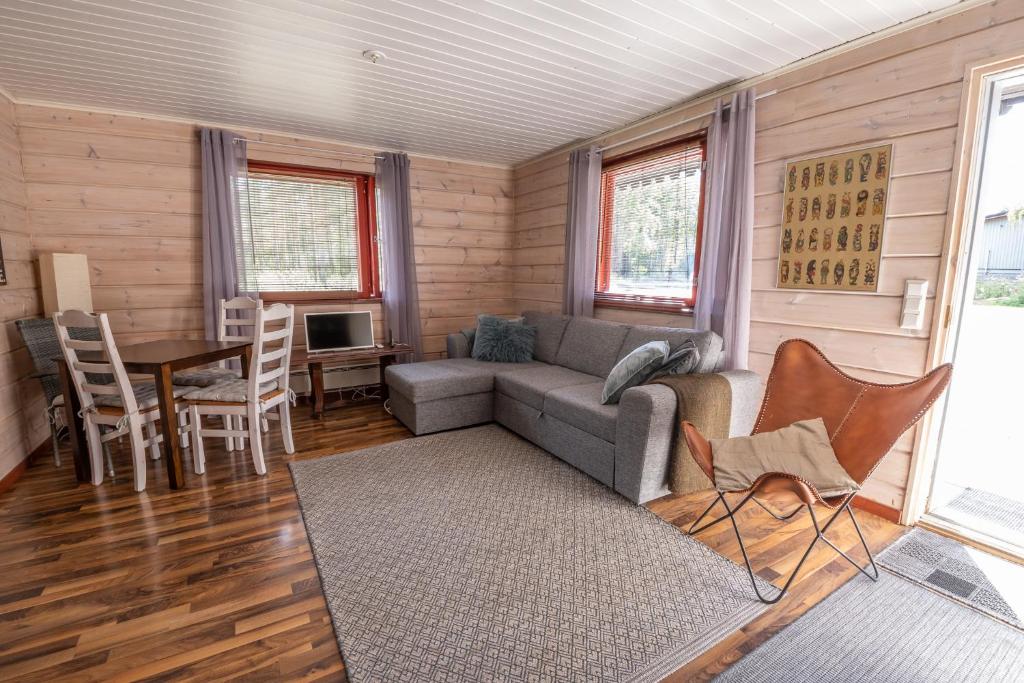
(437, 379)
(530, 385)
(580, 406)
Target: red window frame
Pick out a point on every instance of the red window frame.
(602, 297)
(366, 231)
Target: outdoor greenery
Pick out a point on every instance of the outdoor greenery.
(999, 292)
(654, 230)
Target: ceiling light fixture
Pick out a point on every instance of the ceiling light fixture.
(373, 55)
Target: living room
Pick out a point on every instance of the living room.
(543, 260)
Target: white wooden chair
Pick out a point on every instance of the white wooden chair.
(119, 407)
(236, 322)
(253, 398)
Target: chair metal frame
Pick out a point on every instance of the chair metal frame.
(864, 420)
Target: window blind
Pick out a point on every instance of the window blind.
(650, 225)
(298, 234)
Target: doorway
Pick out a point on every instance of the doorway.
(977, 490)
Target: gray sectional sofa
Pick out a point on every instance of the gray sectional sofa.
(555, 400)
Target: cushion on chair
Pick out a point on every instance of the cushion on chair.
(801, 449)
(145, 396)
(580, 406)
(227, 391)
(503, 341)
(204, 377)
(636, 367)
(530, 385)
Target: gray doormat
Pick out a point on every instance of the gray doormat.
(474, 555)
(944, 565)
(1004, 512)
(892, 631)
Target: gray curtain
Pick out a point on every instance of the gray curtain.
(581, 231)
(224, 163)
(723, 284)
(398, 266)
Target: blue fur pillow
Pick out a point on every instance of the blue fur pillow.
(503, 341)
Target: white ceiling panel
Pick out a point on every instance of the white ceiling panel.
(495, 81)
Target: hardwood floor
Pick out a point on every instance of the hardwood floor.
(217, 581)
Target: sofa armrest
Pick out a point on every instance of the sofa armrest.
(458, 345)
(647, 429)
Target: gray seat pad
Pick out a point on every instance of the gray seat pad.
(205, 377)
(530, 385)
(145, 396)
(580, 406)
(439, 379)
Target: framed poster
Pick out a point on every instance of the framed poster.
(833, 219)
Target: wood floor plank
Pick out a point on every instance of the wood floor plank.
(217, 581)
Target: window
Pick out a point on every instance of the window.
(308, 234)
(651, 212)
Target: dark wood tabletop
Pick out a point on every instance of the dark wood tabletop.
(178, 353)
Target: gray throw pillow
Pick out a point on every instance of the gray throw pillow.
(635, 368)
(682, 361)
(470, 332)
(503, 341)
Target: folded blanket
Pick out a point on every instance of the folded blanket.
(706, 401)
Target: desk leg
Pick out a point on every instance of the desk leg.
(316, 384)
(169, 428)
(385, 361)
(75, 425)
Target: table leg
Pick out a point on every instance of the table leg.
(246, 360)
(385, 361)
(316, 385)
(75, 425)
(169, 428)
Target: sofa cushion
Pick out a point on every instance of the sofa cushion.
(531, 384)
(436, 379)
(550, 328)
(709, 345)
(636, 367)
(581, 406)
(592, 346)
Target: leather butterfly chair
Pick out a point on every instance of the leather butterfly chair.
(863, 420)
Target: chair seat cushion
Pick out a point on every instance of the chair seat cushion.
(145, 396)
(228, 391)
(531, 385)
(204, 377)
(801, 450)
(439, 379)
(580, 406)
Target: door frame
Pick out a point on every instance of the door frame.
(961, 207)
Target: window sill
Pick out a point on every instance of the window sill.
(669, 306)
(316, 298)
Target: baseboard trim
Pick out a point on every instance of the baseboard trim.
(13, 476)
(875, 508)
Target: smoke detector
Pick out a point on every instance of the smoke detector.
(373, 55)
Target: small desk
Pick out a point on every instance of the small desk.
(160, 359)
(315, 364)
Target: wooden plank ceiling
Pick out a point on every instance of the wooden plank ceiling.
(496, 81)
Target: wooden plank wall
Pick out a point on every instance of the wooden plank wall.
(22, 420)
(904, 89)
(125, 190)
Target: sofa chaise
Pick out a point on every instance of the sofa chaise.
(555, 400)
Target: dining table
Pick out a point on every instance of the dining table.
(161, 359)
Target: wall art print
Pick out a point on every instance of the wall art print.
(833, 219)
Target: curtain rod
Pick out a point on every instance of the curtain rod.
(676, 124)
(308, 149)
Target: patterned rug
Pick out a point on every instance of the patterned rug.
(990, 507)
(890, 631)
(474, 555)
(944, 565)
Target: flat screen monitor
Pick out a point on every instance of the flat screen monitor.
(338, 331)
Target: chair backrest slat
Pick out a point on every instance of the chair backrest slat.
(272, 348)
(241, 324)
(88, 387)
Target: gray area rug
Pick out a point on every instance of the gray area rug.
(944, 565)
(474, 555)
(892, 631)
